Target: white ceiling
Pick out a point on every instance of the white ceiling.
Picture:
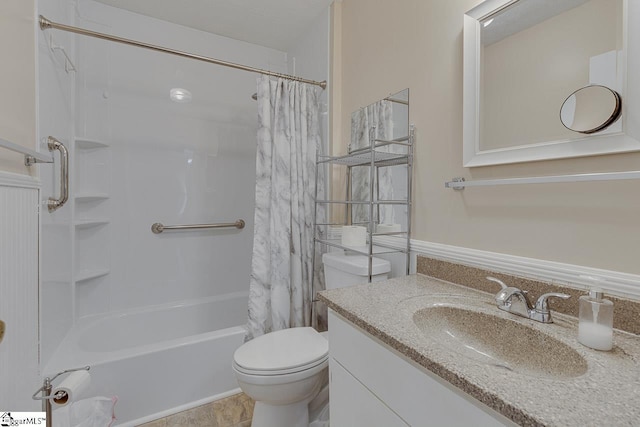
(271, 23)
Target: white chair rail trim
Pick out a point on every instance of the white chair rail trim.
(613, 282)
(9, 179)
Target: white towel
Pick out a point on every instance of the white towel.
(92, 412)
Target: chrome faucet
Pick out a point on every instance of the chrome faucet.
(514, 300)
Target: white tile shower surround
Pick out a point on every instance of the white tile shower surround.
(101, 255)
(208, 145)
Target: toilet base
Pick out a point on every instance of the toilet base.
(292, 415)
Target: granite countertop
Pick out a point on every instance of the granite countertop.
(607, 394)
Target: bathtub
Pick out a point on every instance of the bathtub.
(158, 360)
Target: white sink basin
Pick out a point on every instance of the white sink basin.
(498, 341)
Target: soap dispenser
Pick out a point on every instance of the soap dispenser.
(595, 329)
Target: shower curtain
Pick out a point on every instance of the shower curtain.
(288, 139)
(379, 117)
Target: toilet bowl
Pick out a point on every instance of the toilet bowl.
(282, 371)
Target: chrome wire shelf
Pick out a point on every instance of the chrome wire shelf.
(366, 202)
(380, 159)
(377, 249)
(374, 157)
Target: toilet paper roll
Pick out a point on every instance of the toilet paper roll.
(354, 235)
(388, 228)
(70, 388)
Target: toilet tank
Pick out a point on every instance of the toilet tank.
(347, 269)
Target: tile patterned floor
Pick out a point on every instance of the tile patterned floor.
(233, 411)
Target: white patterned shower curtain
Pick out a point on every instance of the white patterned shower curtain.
(288, 139)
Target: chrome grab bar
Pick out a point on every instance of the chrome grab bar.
(54, 144)
(52, 203)
(158, 227)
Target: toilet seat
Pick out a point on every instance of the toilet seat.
(259, 378)
(282, 352)
(257, 372)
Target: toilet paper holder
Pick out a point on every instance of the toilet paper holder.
(47, 387)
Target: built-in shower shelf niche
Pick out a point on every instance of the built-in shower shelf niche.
(89, 206)
(83, 276)
(83, 143)
(90, 223)
(91, 243)
(92, 169)
(87, 197)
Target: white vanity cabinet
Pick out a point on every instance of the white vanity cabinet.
(371, 385)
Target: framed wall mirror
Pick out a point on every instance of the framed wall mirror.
(524, 58)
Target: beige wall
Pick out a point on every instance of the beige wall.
(17, 80)
(528, 75)
(389, 45)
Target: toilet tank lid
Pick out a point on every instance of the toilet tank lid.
(355, 263)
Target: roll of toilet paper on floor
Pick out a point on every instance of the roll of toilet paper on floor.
(354, 235)
(388, 228)
(70, 388)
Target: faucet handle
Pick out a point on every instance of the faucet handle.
(498, 281)
(542, 306)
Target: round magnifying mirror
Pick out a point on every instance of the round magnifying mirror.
(590, 109)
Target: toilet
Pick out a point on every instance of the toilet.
(285, 371)
(342, 269)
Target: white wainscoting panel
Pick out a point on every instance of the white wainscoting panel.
(19, 294)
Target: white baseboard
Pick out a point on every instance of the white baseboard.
(573, 276)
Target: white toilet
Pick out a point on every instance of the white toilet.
(347, 269)
(284, 371)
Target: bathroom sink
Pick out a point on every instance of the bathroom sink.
(499, 342)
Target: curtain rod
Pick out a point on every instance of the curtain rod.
(46, 24)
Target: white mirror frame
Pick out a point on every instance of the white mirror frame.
(587, 146)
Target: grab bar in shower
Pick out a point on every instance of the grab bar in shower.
(54, 144)
(158, 227)
(32, 157)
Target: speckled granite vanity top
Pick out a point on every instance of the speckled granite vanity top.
(565, 385)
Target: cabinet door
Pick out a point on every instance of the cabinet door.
(353, 405)
(420, 398)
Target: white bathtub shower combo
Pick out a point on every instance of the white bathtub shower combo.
(159, 360)
(156, 316)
